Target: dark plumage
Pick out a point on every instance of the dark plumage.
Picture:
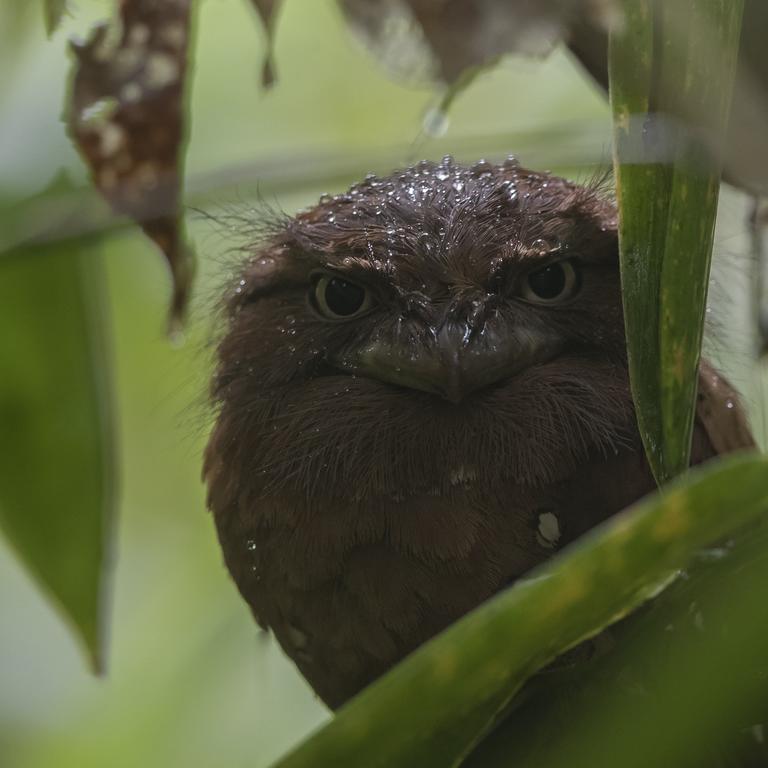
(422, 393)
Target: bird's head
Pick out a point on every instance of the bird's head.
(442, 325)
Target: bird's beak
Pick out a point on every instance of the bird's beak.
(452, 362)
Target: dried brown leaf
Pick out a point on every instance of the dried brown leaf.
(267, 10)
(441, 39)
(127, 119)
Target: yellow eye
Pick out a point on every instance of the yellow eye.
(339, 299)
(552, 284)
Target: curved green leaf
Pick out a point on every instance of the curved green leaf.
(432, 708)
(55, 446)
(681, 682)
(671, 69)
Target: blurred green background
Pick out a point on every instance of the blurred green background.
(190, 681)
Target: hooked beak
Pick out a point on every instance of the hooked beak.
(452, 362)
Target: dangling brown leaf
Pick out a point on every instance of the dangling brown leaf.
(267, 10)
(443, 38)
(127, 119)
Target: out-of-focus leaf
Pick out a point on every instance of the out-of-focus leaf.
(127, 118)
(432, 708)
(442, 40)
(758, 230)
(267, 9)
(746, 153)
(682, 682)
(54, 12)
(56, 474)
(576, 146)
(671, 69)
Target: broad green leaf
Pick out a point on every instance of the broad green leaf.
(55, 442)
(671, 68)
(54, 12)
(681, 682)
(432, 708)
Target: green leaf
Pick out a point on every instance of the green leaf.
(671, 68)
(54, 12)
(681, 682)
(432, 708)
(55, 443)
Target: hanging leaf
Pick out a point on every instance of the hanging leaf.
(443, 40)
(127, 118)
(434, 706)
(671, 69)
(56, 473)
(267, 10)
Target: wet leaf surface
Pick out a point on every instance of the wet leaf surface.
(127, 118)
(672, 69)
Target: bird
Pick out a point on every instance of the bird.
(421, 393)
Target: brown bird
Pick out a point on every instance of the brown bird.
(422, 393)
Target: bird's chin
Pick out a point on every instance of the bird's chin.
(346, 437)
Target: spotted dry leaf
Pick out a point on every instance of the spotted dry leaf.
(267, 10)
(441, 39)
(127, 119)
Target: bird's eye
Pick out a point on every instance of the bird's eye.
(339, 299)
(551, 284)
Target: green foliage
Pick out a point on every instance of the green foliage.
(55, 446)
(682, 682)
(671, 69)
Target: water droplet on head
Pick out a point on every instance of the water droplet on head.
(250, 545)
(482, 168)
